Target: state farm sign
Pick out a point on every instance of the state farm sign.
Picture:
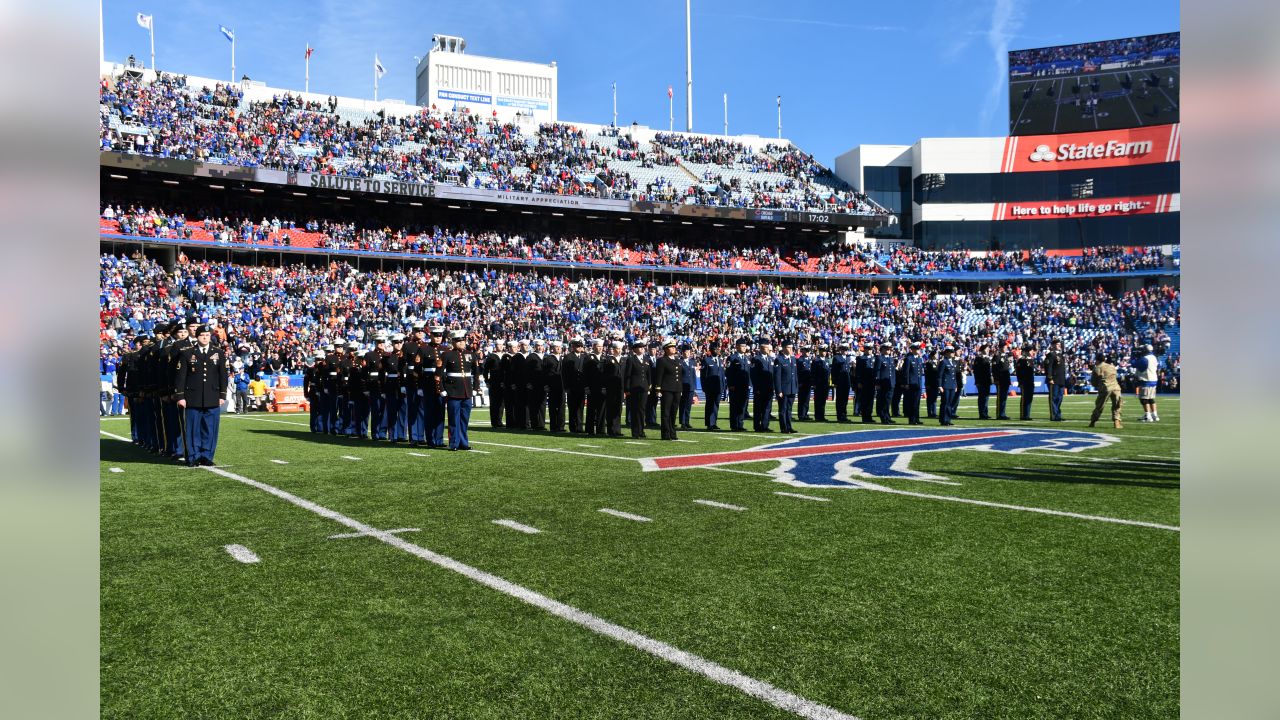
(1109, 148)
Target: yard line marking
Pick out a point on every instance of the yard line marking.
(726, 506)
(418, 454)
(241, 553)
(625, 515)
(521, 527)
(759, 689)
(350, 457)
(636, 442)
(280, 462)
(726, 437)
(803, 497)
(688, 441)
(553, 450)
(482, 452)
(586, 445)
(115, 436)
(341, 536)
(116, 469)
(1043, 511)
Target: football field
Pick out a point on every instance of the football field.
(998, 570)
(1126, 98)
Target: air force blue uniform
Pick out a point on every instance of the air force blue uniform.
(762, 388)
(713, 384)
(913, 377)
(737, 376)
(949, 384)
(786, 384)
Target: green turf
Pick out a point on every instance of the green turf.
(881, 606)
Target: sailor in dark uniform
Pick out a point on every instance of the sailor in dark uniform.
(820, 376)
(912, 377)
(886, 371)
(609, 377)
(201, 388)
(636, 382)
(593, 387)
(459, 371)
(571, 376)
(553, 386)
(667, 381)
(536, 400)
(865, 384)
(651, 402)
(982, 379)
(496, 382)
(514, 371)
(688, 384)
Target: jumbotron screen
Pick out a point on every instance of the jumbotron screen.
(1104, 85)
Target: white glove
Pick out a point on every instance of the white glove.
(444, 394)
(403, 389)
(420, 393)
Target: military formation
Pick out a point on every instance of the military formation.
(420, 388)
(175, 382)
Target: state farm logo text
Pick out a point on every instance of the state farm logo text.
(1089, 151)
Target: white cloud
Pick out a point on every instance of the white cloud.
(1006, 20)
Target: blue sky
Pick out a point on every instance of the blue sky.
(848, 72)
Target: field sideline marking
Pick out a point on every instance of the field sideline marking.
(625, 515)
(115, 436)
(759, 689)
(280, 462)
(1006, 506)
(343, 536)
(116, 470)
(241, 553)
(520, 527)
(350, 457)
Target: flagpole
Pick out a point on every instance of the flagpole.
(779, 117)
(233, 58)
(726, 114)
(152, 30)
(688, 67)
(671, 112)
(306, 83)
(615, 103)
(375, 78)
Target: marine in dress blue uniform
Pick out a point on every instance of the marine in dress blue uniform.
(786, 385)
(201, 387)
(311, 378)
(433, 402)
(397, 390)
(712, 369)
(458, 370)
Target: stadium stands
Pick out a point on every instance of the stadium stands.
(285, 312)
(172, 118)
(708, 254)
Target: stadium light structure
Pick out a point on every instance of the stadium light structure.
(688, 67)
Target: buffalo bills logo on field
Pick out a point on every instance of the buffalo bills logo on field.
(836, 460)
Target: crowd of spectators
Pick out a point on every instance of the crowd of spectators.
(1135, 49)
(275, 316)
(340, 235)
(168, 118)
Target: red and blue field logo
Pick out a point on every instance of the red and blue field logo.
(842, 460)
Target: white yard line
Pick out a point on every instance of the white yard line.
(625, 515)
(802, 497)
(232, 416)
(342, 536)
(759, 689)
(350, 457)
(554, 450)
(116, 470)
(482, 452)
(636, 442)
(519, 527)
(241, 553)
(280, 462)
(418, 454)
(686, 441)
(725, 506)
(114, 436)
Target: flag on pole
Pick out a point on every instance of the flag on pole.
(309, 50)
(144, 21)
(227, 33)
(377, 67)
(668, 92)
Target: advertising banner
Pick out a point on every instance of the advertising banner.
(1091, 207)
(1099, 149)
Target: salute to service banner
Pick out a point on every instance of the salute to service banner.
(1100, 149)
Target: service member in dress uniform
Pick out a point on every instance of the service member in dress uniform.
(913, 377)
(496, 382)
(459, 371)
(202, 389)
(397, 390)
(899, 389)
(713, 384)
(737, 378)
(593, 386)
(762, 386)
(513, 394)
(786, 385)
(688, 385)
(668, 382)
(610, 379)
(572, 368)
(636, 385)
(553, 386)
(329, 388)
(931, 383)
(374, 384)
(358, 389)
(1055, 375)
(886, 372)
(804, 374)
(1002, 371)
(1025, 370)
(536, 386)
(415, 419)
(312, 382)
(651, 402)
(434, 415)
(173, 416)
(820, 376)
(948, 384)
(865, 384)
(842, 379)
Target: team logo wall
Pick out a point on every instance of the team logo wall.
(1105, 148)
(848, 459)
